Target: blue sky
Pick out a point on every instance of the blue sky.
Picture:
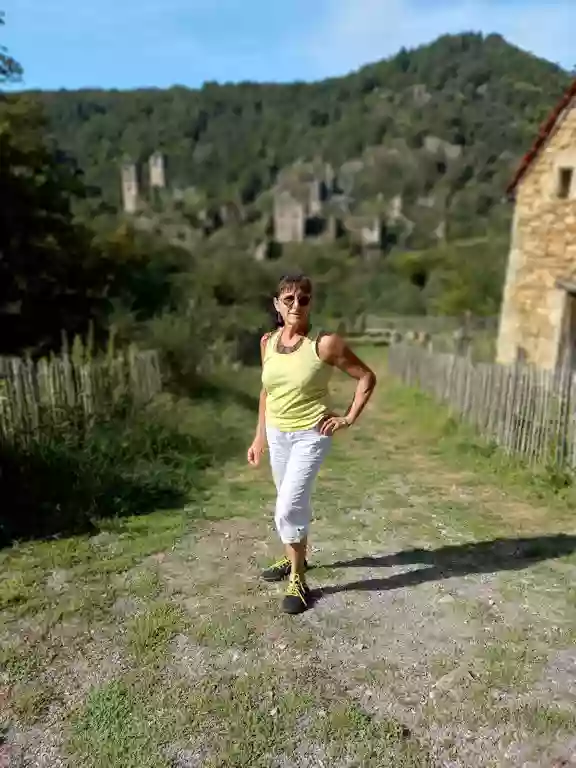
(132, 43)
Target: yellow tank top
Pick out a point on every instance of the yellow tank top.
(296, 385)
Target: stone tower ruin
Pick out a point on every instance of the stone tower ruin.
(317, 196)
(157, 170)
(289, 218)
(130, 188)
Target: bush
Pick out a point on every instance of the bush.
(63, 483)
(67, 481)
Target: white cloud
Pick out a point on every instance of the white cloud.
(357, 32)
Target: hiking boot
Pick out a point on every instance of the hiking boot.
(279, 570)
(297, 595)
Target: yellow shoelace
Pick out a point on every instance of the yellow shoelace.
(280, 564)
(296, 588)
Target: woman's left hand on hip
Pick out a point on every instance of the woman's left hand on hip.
(333, 424)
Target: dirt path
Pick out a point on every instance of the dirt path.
(442, 634)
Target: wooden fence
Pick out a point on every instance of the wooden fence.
(528, 412)
(36, 396)
(449, 335)
(430, 324)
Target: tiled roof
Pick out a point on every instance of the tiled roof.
(543, 135)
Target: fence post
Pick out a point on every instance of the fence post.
(36, 395)
(529, 412)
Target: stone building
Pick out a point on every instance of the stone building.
(157, 171)
(538, 316)
(130, 188)
(300, 199)
(130, 180)
(289, 218)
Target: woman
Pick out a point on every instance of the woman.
(295, 420)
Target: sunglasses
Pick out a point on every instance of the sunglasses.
(303, 300)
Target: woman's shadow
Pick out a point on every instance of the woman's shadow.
(452, 561)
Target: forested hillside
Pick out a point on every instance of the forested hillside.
(480, 96)
(439, 129)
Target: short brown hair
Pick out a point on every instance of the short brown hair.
(294, 281)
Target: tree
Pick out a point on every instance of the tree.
(10, 70)
(47, 262)
(480, 93)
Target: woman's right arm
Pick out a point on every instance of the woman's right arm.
(258, 446)
(261, 426)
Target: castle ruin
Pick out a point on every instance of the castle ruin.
(157, 171)
(130, 188)
(289, 218)
(131, 191)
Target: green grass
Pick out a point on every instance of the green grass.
(145, 583)
(448, 629)
(224, 633)
(30, 702)
(432, 428)
(246, 722)
(112, 730)
(150, 632)
(20, 661)
(69, 481)
(353, 734)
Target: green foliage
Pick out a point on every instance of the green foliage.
(468, 277)
(182, 276)
(68, 480)
(64, 482)
(10, 70)
(476, 93)
(48, 275)
(440, 125)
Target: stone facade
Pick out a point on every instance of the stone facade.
(130, 188)
(289, 218)
(157, 171)
(538, 314)
(131, 182)
(299, 206)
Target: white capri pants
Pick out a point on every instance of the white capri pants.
(295, 458)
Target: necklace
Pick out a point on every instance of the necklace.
(282, 349)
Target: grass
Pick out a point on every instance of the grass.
(247, 722)
(459, 444)
(352, 734)
(111, 730)
(439, 611)
(30, 703)
(216, 633)
(150, 632)
(69, 481)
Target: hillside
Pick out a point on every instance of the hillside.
(441, 125)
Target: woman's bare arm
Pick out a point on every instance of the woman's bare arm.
(259, 443)
(334, 351)
(261, 426)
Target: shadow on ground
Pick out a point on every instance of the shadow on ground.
(452, 561)
(223, 389)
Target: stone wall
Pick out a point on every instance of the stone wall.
(157, 170)
(543, 251)
(289, 219)
(130, 187)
